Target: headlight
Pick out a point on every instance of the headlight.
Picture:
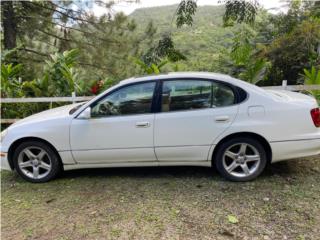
(3, 134)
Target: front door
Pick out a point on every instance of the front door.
(193, 113)
(120, 128)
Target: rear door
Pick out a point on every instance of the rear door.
(193, 113)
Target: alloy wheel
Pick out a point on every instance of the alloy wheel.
(241, 160)
(34, 162)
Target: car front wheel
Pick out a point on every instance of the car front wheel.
(36, 162)
(240, 159)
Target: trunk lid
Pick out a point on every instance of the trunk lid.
(288, 96)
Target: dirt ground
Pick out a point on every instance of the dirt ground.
(165, 203)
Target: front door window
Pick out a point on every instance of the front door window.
(130, 100)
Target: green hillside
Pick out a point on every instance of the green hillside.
(202, 43)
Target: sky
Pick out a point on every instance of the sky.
(128, 8)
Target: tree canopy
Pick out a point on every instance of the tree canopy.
(238, 37)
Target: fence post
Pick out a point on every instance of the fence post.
(73, 97)
(284, 84)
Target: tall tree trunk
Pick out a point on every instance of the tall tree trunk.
(9, 25)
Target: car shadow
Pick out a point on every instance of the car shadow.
(284, 169)
(140, 172)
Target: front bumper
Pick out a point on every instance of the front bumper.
(4, 163)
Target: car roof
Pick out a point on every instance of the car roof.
(205, 75)
(172, 75)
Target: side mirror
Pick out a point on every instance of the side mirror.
(86, 114)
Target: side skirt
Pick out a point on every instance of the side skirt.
(136, 164)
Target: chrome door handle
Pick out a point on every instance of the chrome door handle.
(222, 119)
(142, 124)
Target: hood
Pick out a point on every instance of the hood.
(55, 113)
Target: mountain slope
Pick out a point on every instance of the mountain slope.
(202, 42)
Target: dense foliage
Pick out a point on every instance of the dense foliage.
(273, 48)
(53, 48)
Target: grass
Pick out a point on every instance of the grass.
(165, 203)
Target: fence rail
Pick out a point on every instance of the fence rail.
(75, 99)
(294, 87)
(45, 99)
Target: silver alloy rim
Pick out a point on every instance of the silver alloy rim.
(241, 160)
(34, 162)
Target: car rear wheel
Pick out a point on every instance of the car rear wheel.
(240, 159)
(36, 162)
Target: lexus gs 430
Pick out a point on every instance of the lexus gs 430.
(178, 119)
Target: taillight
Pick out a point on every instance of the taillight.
(315, 114)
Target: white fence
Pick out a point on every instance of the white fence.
(45, 99)
(72, 99)
(75, 99)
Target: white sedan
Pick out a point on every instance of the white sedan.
(195, 119)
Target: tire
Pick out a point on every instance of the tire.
(36, 162)
(240, 159)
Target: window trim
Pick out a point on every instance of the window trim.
(153, 99)
(233, 88)
(157, 95)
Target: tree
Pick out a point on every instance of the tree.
(185, 11)
(298, 11)
(247, 62)
(9, 25)
(240, 11)
(294, 51)
(152, 68)
(23, 18)
(312, 77)
(45, 27)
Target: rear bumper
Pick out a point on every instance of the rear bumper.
(285, 150)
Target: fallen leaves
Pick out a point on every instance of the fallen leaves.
(232, 219)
